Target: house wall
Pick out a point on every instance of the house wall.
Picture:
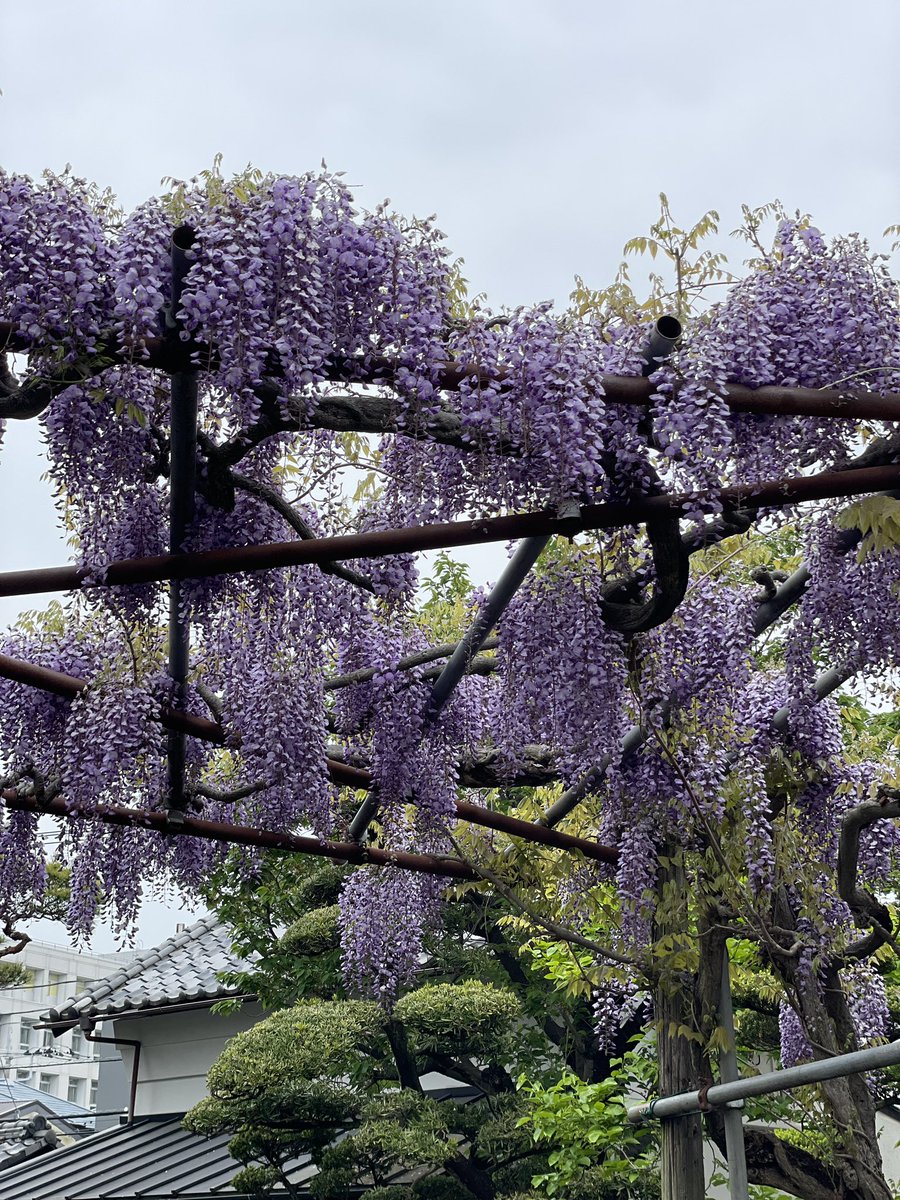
(177, 1050)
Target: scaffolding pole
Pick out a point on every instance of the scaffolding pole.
(735, 1150)
(763, 1085)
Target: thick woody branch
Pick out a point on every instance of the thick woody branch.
(407, 663)
(868, 910)
(846, 403)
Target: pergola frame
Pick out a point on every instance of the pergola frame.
(183, 359)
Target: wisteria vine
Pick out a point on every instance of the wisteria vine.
(294, 297)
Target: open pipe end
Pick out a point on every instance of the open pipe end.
(669, 327)
(183, 237)
(661, 342)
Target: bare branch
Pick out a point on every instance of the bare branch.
(289, 514)
(557, 931)
(408, 662)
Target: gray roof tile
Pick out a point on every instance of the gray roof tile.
(182, 969)
(15, 1095)
(21, 1139)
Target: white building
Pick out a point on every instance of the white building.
(66, 1067)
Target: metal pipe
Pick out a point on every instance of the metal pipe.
(274, 555)
(511, 579)
(182, 479)
(241, 835)
(87, 1027)
(342, 773)
(847, 403)
(515, 827)
(784, 1080)
(735, 1149)
(660, 343)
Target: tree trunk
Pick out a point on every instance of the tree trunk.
(681, 1148)
(857, 1169)
(681, 1138)
(477, 1181)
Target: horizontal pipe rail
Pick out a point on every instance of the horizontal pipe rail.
(527, 830)
(241, 835)
(274, 555)
(69, 686)
(873, 1059)
(768, 400)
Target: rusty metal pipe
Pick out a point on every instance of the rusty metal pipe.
(242, 835)
(274, 555)
(773, 400)
(342, 773)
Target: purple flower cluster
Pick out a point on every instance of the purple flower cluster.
(562, 670)
(292, 286)
(794, 1045)
(56, 261)
(616, 1001)
(384, 913)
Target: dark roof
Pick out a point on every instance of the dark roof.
(21, 1138)
(19, 1095)
(155, 1157)
(181, 970)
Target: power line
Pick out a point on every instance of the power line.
(19, 987)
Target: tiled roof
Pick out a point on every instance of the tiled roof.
(180, 970)
(19, 1095)
(155, 1157)
(21, 1138)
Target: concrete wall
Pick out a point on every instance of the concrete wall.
(177, 1050)
(65, 1066)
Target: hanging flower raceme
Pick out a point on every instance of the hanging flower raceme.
(561, 669)
(385, 914)
(56, 261)
(293, 292)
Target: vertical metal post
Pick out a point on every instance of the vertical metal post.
(728, 1071)
(526, 555)
(511, 579)
(182, 473)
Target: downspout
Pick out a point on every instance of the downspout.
(87, 1026)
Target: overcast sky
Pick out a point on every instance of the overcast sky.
(539, 133)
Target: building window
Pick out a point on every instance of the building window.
(46, 1039)
(54, 985)
(45, 1083)
(25, 1037)
(23, 1076)
(78, 1042)
(92, 1101)
(74, 1092)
